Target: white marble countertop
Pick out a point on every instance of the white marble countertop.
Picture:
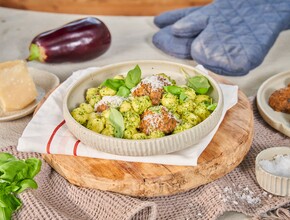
(131, 40)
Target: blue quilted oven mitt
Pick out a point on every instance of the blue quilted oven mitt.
(229, 37)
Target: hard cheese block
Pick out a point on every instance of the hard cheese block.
(17, 89)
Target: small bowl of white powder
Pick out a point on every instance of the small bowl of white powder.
(273, 170)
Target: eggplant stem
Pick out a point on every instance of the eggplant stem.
(36, 53)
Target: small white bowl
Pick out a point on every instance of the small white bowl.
(277, 185)
(164, 145)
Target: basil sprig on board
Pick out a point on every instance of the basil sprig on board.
(123, 86)
(15, 176)
(117, 122)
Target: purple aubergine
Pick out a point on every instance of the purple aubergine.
(78, 40)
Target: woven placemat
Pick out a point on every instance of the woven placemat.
(237, 191)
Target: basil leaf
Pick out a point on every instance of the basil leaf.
(133, 77)
(117, 121)
(182, 96)
(12, 201)
(114, 84)
(5, 157)
(175, 90)
(199, 83)
(11, 188)
(27, 183)
(15, 176)
(34, 166)
(13, 170)
(5, 213)
(123, 91)
(212, 107)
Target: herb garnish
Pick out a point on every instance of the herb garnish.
(123, 86)
(176, 90)
(117, 121)
(133, 77)
(15, 176)
(199, 83)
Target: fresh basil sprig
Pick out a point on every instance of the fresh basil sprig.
(114, 84)
(133, 77)
(117, 121)
(123, 86)
(15, 176)
(182, 96)
(199, 83)
(176, 90)
(123, 91)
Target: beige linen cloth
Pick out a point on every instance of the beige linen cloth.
(237, 191)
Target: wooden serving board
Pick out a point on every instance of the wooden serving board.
(225, 152)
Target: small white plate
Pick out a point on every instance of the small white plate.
(44, 82)
(278, 120)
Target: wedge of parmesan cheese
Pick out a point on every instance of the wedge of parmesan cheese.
(17, 89)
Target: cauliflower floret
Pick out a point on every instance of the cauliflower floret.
(140, 104)
(129, 132)
(108, 130)
(201, 111)
(170, 101)
(139, 136)
(80, 115)
(106, 91)
(190, 93)
(106, 114)
(131, 119)
(96, 124)
(202, 98)
(86, 107)
(182, 127)
(125, 106)
(187, 106)
(94, 99)
(156, 134)
(91, 92)
(191, 118)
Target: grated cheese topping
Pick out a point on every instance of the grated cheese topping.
(156, 118)
(112, 101)
(156, 82)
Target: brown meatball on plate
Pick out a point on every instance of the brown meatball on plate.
(273, 101)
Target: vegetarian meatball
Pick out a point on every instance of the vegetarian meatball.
(153, 87)
(157, 118)
(280, 100)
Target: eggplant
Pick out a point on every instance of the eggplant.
(79, 40)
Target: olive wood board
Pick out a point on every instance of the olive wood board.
(226, 151)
